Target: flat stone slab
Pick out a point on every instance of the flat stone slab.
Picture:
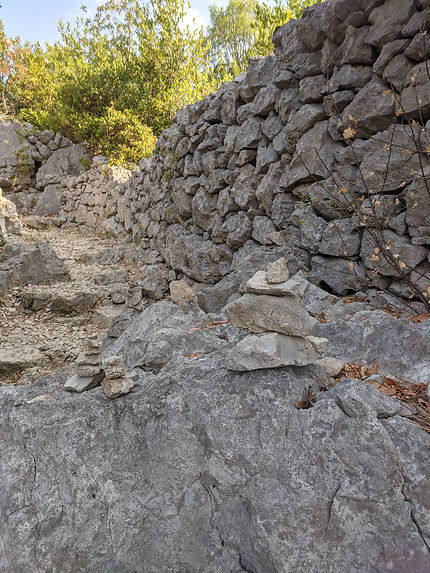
(17, 358)
(259, 284)
(83, 383)
(271, 350)
(261, 313)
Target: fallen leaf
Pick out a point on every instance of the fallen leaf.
(420, 318)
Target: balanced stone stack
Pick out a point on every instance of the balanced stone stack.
(115, 384)
(88, 367)
(276, 314)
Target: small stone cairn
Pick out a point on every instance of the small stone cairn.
(89, 371)
(273, 310)
(115, 384)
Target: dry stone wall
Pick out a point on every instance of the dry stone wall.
(33, 164)
(311, 154)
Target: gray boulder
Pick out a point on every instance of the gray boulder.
(407, 255)
(340, 275)
(393, 148)
(16, 162)
(415, 98)
(372, 110)
(314, 157)
(162, 333)
(387, 21)
(201, 260)
(18, 358)
(340, 239)
(153, 281)
(34, 263)
(49, 202)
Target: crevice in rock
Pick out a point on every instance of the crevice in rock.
(330, 506)
(213, 503)
(341, 407)
(244, 568)
(411, 511)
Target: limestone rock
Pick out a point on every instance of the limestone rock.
(259, 284)
(203, 426)
(277, 272)
(16, 165)
(9, 220)
(74, 302)
(314, 157)
(62, 163)
(387, 21)
(114, 388)
(153, 281)
(180, 291)
(341, 275)
(22, 263)
(162, 333)
(371, 335)
(271, 350)
(82, 384)
(259, 313)
(372, 110)
(12, 359)
(49, 202)
(332, 366)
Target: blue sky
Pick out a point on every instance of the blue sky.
(36, 20)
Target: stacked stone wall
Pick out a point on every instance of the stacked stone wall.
(312, 153)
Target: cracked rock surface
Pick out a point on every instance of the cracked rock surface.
(200, 469)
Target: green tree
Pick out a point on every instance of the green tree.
(243, 30)
(115, 79)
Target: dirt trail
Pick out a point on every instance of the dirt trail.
(57, 318)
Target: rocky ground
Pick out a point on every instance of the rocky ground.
(57, 318)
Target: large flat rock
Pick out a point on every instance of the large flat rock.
(207, 470)
(259, 313)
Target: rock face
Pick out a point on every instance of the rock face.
(400, 346)
(162, 334)
(255, 483)
(30, 159)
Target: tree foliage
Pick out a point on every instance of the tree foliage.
(116, 78)
(243, 30)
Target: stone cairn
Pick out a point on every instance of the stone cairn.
(115, 384)
(273, 310)
(89, 371)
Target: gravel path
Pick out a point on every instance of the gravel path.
(96, 266)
